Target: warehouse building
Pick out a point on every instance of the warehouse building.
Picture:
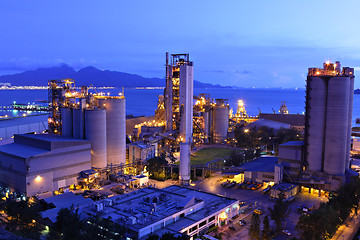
(40, 163)
(173, 209)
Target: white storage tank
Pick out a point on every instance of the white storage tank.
(317, 91)
(115, 129)
(337, 125)
(95, 132)
(220, 122)
(67, 122)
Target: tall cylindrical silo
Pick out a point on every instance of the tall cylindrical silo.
(317, 91)
(67, 122)
(78, 123)
(115, 129)
(95, 132)
(220, 123)
(206, 116)
(350, 111)
(336, 125)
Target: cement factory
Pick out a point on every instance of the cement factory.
(90, 138)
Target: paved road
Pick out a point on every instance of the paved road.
(259, 200)
(349, 228)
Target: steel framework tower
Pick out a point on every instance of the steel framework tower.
(179, 107)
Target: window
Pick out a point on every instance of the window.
(202, 224)
(182, 215)
(212, 219)
(227, 210)
(193, 229)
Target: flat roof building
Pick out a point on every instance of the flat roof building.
(39, 163)
(173, 209)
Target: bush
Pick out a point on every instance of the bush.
(175, 176)
(213, 229)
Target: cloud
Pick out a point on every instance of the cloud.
(215, 71)
(245, 72)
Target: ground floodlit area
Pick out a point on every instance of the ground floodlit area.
(205, 155)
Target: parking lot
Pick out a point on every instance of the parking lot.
(258, 200)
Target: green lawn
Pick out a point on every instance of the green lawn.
(208, 154)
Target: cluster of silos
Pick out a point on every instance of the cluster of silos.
(329, 100)
(102, 122)
(215, 117)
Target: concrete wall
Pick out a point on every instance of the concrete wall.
(12, 172)
(45, 172)
(8, 132)
(57, 169)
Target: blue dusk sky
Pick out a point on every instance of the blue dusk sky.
(239, 43)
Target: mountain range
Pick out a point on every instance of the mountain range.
(86, 76)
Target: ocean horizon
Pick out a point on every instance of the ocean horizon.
(143, 101)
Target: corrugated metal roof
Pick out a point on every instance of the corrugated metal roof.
(292, 119)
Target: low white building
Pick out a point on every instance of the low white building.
(40, 163)
(173, 209)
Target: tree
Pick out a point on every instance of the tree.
(67, 226)
(167, 236)
(265, 234)
(254, 230)
(247, 138)
(153, 237)
(236, 158)
(97, 227)
(320, 224)
(279, 212)
(155, 164)
(23, 217)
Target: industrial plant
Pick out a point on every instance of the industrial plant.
(322, 161)
(89, 140)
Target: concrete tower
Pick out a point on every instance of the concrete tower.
(329, 102)
(179, 107)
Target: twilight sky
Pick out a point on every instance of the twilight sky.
(240, 43)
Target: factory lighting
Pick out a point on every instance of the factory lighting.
(246, 130)
(223, 216)
(38, 178)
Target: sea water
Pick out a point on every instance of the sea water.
(140, 102)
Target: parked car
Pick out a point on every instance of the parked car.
(301, 207)
(258, 211)
(232, 228)
(286, 232)
(225, 183)
(266, 190)
(242, 222)
(230, 185)
(249, 186)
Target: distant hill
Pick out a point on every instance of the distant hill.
(87, 76)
